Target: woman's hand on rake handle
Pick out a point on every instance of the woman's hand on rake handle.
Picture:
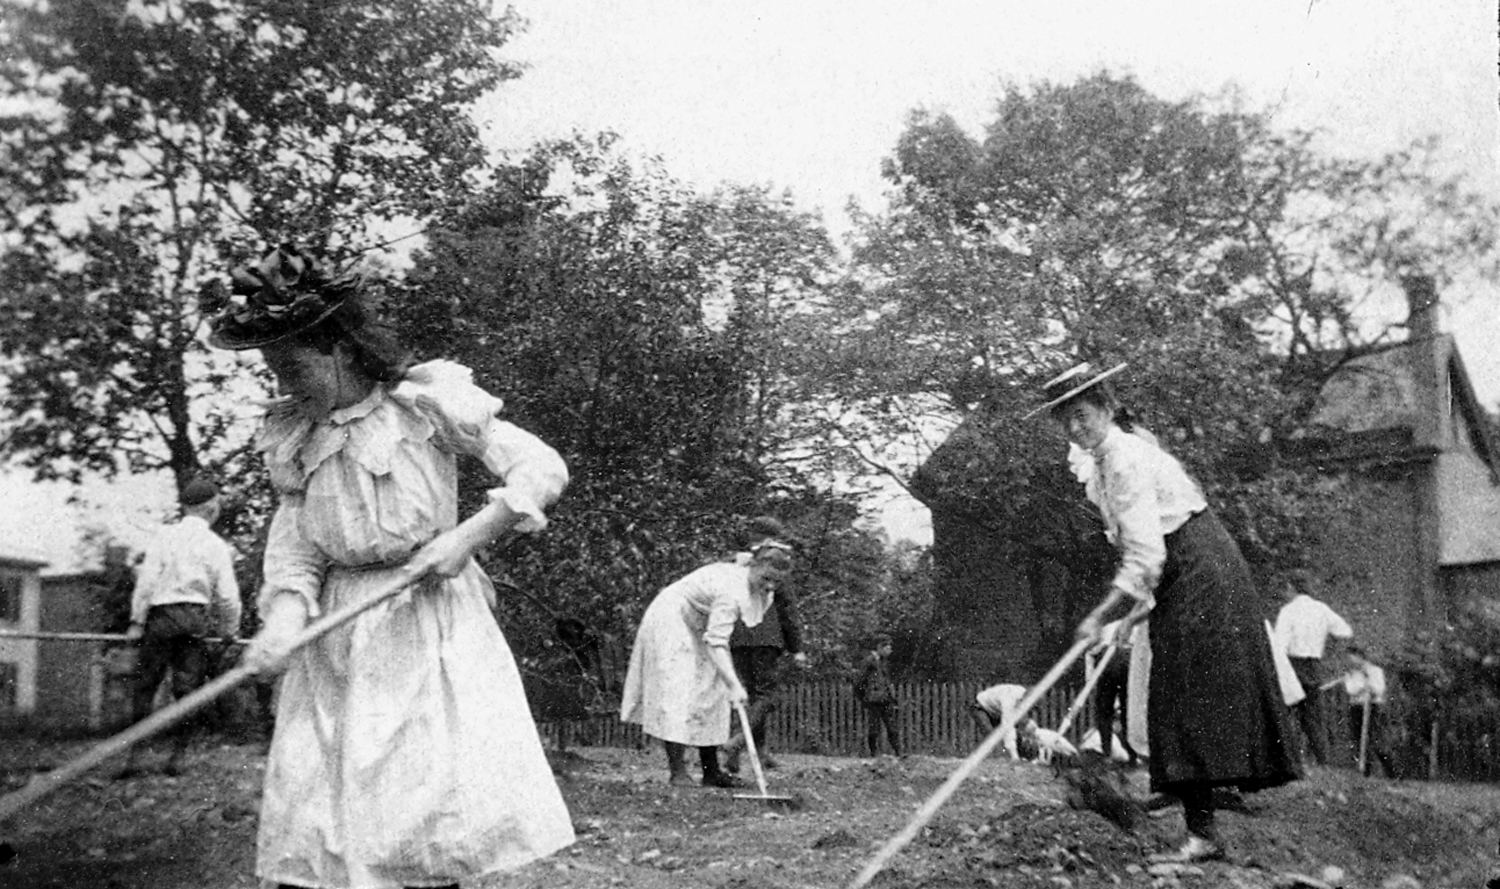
(267, 654)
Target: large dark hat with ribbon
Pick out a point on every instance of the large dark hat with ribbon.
(199, 490)
(285, 292)
(1072, 383)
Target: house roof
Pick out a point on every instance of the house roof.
(1412, 399)
(11, 557)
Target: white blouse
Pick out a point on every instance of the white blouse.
(1144, 495)
(377, 480)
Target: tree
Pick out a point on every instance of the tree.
(1096, 221)
(161, 141)
(635, 325)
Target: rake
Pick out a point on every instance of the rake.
(967, 767)
(168, 716)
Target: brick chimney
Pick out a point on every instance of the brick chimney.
(1422, 303)
(1430, 430)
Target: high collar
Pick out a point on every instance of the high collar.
(1111, 440)
(359, 409)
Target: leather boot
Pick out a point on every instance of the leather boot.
(713, 776)
(677, 775)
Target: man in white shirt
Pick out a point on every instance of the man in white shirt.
(1305, 625)
(185, 588)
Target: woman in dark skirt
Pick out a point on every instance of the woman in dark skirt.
(1215, 717)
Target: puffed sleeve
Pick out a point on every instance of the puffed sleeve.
(534, 473)
(292, 564)
(1130, 499)
(464, 419)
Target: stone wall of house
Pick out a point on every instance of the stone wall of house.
(1368, 566)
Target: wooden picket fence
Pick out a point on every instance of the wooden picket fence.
(934, 718)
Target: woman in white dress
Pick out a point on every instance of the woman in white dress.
(404, 753)
(681, 683)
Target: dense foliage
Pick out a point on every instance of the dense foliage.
(636, 326)
(1229, 264)
(697, 358)
(158, 141)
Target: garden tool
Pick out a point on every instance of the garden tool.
(1083, 696)
(786, 802)
(967, 767)
(93, 637)
(1364, 736)
(398, 579)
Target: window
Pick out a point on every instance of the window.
(10, 597)
(10, 686)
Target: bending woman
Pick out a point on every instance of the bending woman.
(681, 684)
(1215, 716)
(404, 753)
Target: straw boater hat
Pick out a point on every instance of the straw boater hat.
(282, 294)
(1071, 383)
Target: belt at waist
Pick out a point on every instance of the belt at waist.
(180, 603)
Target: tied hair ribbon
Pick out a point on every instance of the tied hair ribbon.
(772, 544)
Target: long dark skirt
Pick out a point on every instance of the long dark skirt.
(1214, 713)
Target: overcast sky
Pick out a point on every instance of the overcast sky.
(811, 94)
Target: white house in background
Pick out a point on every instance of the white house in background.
(20, 610)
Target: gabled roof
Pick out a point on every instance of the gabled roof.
(15, 558)
(1377, 405)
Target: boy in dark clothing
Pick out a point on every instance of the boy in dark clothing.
(875, 690)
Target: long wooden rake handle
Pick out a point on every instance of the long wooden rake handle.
(91, 637)
(1088, 688)
(760, 775)
(44, 784)
(924, 814)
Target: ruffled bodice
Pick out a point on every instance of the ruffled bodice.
(377, 480)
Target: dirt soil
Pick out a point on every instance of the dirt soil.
(1009, 826)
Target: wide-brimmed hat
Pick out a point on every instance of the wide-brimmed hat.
(1071, 383)
(284, 293)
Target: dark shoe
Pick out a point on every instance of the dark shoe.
(1196, 849)
(720, 779)
(1159, 805)
(1230, 800)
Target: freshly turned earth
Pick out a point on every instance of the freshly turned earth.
(1008, 826)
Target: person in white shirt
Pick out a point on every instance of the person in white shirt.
(1215, 717)
(185, 589)
(1305, 625)
(1365, 686)
(993, 704)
